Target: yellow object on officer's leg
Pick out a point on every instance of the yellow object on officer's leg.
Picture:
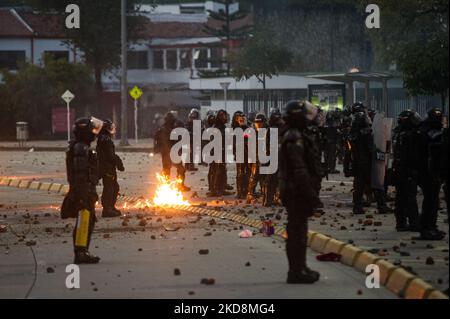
(82, 233)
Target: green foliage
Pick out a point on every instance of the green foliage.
(30, 94)
(99, 35)
(414, 35)
(262, 57)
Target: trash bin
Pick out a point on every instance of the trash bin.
(22, 132)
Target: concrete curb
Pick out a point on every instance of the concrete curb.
(396, 279)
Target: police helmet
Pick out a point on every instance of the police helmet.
(435, 115)
(108, 127)
(194, 114)
(361, 120)
(358, 107)
(86, 128)
(409, 118)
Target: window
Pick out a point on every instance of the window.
(185, 57)
(201, 59)
(171, 56)
(216, 57)
(158, 59)
(10, 59)
(56, 55)
(137, 60)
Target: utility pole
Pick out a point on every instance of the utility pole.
(124, 89)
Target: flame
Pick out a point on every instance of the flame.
(168, 193)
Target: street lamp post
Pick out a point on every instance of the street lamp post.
(225, 86)
(124, 97)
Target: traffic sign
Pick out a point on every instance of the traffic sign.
(68, 96)
(136, 93)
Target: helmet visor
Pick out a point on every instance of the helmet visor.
(96, 125)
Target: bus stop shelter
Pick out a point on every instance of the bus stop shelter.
(364, 77)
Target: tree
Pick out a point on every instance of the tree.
(414, 36)
(226, 31)
(99, 35)
(31, 93)
(261, 57)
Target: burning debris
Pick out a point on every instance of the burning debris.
(168, 192)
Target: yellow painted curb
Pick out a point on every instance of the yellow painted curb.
(319, 242)
(45, 186)
(64, 189)
(311, 236)
(436, 294)
(5, 181)
(364, 259)
(399, 281)
(55, 188)
(418, 289)
(24, 184)
(14, 183)
(386, 270)
(35, 185)
(334, 246)
(349, 255)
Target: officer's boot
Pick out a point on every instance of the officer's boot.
(84, 257)
(111, 213)
(299, 273)
(401, 224)
(82, 238)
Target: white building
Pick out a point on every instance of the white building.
(247, 95)
(26, 37)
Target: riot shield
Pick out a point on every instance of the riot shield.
(381, 135)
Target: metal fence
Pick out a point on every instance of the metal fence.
(398, 100)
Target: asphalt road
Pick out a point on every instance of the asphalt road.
(140, 263)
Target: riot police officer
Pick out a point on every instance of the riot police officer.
(163, 145)
(259, 122)
(219, 169)
(346, 126)
(406, 170)
(242, 169)
(298, 189)
(332, 135)
(194, 115)
(431, 151)
(315, 136)
(362, 152)
(109, 161)
(82, 175)
(270, 182)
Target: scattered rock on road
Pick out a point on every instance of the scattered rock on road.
(208, 281)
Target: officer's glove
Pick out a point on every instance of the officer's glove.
(119, 164)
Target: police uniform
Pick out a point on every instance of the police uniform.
(331, 145)
(255, 177)
(164, 145)
(82, 175)
(109, 162)
(242, 169)
(298, 188)
(362, 152)
(194, 115)
(405, 169)
(219, 169)
(431, 151)
(270, 183)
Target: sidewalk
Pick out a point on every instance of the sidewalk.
(144, 145)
